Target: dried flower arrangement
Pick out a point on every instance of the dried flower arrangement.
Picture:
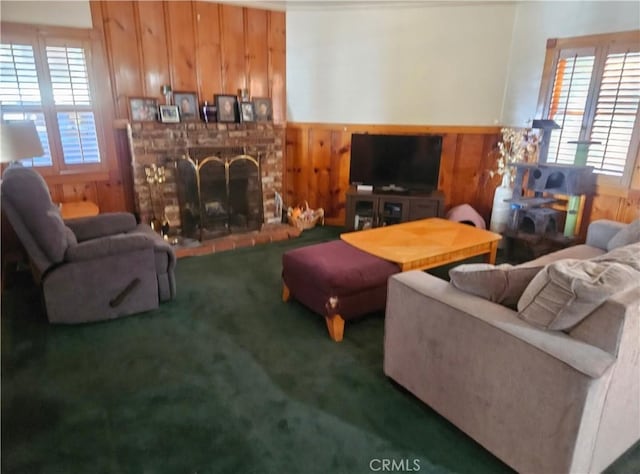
(518, 145)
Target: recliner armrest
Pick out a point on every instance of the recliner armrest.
(107, 246)
(87, 228)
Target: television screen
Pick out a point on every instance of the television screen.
(408, 162)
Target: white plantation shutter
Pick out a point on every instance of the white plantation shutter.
(594, 96)
(72, 99)
(47, 80)
(568, 103)
(615, 114)
(20, 94)
(18, 79)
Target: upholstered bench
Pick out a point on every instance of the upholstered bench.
(337, 281)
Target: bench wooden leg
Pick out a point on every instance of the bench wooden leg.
(335, 324)
(286, 294)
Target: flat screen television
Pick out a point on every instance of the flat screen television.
(396, 162)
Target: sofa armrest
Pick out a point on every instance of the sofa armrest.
(600, 232)
(87, 228)
(583, 357)
(107, 246)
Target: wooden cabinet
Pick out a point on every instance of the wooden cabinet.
(370, 209)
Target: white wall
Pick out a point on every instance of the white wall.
(56, 13)
(405, 63)
(423, 64)
(535, 22)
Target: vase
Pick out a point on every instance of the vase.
(501, 209)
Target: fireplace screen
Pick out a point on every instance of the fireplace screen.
(219, 195)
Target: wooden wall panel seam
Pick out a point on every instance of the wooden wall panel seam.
(141, 62)
(167, 28)
(196, 39)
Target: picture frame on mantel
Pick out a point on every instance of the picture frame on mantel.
(226, 108)
(169, 114)
(143, 109)
(263, 109)
(247, 112)
(187, 102)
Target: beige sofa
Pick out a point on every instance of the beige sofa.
(542, 401)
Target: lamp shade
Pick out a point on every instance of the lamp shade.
(20, 140)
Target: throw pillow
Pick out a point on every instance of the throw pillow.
(567, 291)
(501, 284)
(629, 234)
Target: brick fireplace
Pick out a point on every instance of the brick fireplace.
(206, 180)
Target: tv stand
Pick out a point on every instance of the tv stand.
(382, 207)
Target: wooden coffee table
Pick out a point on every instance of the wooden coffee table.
(427, 243)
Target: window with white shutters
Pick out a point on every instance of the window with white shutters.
(594, 95)
(20, 97)
(48, 81)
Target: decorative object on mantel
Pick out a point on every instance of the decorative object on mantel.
(243, 95)
(518, 145)
(167, 93)
(209, 112)
(304, 217)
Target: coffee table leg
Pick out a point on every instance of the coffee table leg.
(493, 251)
(335, 324)
(286, 294)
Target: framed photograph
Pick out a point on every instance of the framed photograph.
(227, 107)
(169, 114)
(247, 112)
(143, 109)
(187, 102)
(263, 109)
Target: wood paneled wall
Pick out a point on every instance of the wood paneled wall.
(317, 169)
(196, 46)
(318, 155)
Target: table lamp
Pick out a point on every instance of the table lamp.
(20, 140)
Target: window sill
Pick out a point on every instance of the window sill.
(76, 177)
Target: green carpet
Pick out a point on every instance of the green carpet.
(225, 379)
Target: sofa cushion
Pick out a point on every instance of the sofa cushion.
(502, 284)
(578, 252)
(565, 292)
(627, 254)
(629, 234)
